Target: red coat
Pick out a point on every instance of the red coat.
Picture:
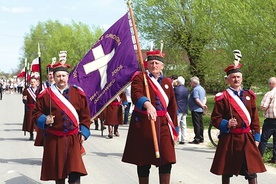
(39, 139)
(233, 149)
(139, 149)
(28, 124)
(62, 154)
(114, 111)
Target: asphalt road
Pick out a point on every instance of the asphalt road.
(20, 160)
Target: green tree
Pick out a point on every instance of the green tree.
(53, 37)
(208, 31)
(249, 25)
(183, 25)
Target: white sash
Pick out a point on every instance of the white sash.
(240, 105)
(32, 94)
(69, 108)
(166, 100)
(156, 83)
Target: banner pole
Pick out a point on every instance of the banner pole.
(25, 104)
(156, 148)
(40, 71)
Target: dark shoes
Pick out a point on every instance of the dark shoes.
(194, 142)
(109, 136)
(31, 137)
(181, 142)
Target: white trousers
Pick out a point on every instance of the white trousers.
(181, 118)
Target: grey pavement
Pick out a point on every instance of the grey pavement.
(20, 160)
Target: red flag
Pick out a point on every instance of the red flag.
(35, 65)
(22, 73)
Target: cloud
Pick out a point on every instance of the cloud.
(15, 10)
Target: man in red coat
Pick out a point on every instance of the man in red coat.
(39, 140)
(29, 99)
(235, 114)
(161, 108)
(114, 115)
(63, 112)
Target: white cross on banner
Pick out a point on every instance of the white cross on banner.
(100, 63)
(108, 67)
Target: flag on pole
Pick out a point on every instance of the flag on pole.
(22, 73)
(35, 65)
(108, 67)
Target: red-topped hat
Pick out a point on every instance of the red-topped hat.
(236, 67)
(155, 55)
(61, 65)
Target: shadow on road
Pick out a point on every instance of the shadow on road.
(12, 123)
(13, 129)
(25, 161)
(20, 179)
(196, 149)
(15, 139)
(101, 154)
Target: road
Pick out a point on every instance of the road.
(20, 160)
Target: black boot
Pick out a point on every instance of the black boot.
(116, 132)
(31, 136)
(96, 124)
(62, 181)
(252, 181)
(225, 179)
(164, 178)
(143, 180)
(110, 132)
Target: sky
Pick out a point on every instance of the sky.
(18, 16)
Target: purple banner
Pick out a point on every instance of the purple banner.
(107, 67)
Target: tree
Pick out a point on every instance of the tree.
(181, 24)
(208, 31)
(53, 37)
(250, 26)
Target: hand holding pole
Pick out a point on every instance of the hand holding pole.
(156, 148)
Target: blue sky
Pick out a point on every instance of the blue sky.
(17, 17)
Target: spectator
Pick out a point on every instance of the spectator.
(129, 102)
(181, 96)
(1, 89)
(268, 105)
(196, 103)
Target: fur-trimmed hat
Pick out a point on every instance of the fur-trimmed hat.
(155, 55)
